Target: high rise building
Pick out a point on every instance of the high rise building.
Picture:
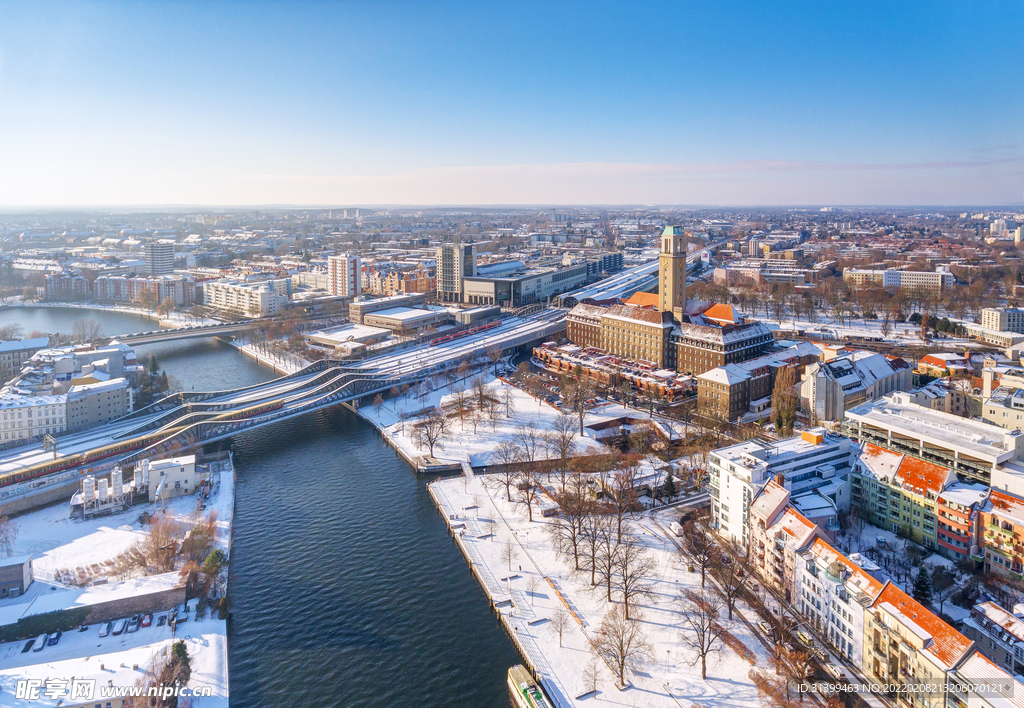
(455, 261)
(159, 258)
(343, 274)
(672, 272)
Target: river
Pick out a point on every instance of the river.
(345, 588)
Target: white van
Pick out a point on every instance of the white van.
(40, 642)
(676, 528)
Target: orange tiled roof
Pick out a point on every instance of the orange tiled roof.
(1007, 504)
(639, 299)
(920, 476)
(947, 645)
(722, 313)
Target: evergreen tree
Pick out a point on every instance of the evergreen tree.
(923, 587)
(154, 366)
(668, 489)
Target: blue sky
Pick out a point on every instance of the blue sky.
(511, 102)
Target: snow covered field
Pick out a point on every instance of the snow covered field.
(58, 542)
(669, 679)
(479, 445)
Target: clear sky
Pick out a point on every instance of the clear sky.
(588, 102)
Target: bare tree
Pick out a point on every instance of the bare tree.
(460, 399)
(577, 393)
(592, 675)
(85, 329)
(701, 631)
(506, 459)
(479, 387)
(621, 642)
(700, 546)
(527, 439)
(635, 568)
(531, 587)
(623, 491)
(508, 399)
(607, 558)
(378, 403)
(596, 526)
(509, 554)
(561, 442)
(433, 430)
(494, 353)
(731, 578)
(528, 488)
(8, 534)
(574, 506)
(560, 621)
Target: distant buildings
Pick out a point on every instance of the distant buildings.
(893, 279)
(14, 354)
(1003, 319)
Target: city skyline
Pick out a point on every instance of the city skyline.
(479, 104)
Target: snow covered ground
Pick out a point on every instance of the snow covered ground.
(58, 542)
(669, 678)
(288, 364)
(831, 329)
(479, 445)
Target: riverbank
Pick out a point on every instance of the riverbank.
(170, 320)
(535, 582)
(75, 564)
(280, 364)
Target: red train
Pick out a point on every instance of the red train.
(464, 333)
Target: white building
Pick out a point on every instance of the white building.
(173, 477)
(31, 416)
(814, 460)
(971, 448)
(828, 389)
(343, 275)
(258, 299)
(1003, 319)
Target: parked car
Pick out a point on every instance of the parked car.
(105, 628)
(676, 528)
(161, 620)
(121, 626)
(133, 623)
(28, 645)
(147, 619)
(40, 642)
(805, 638)
(765, 627)
(836, 672)
(55, 637)
(84, 628)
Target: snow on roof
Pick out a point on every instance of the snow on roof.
(920, 477)
(881, 463)
(965, 494)
(1005, 691)
(946, 645)
(795, 526)
(95, 595)
(813, 504)
(1001, 617)
(860, 579)
(19, 344)
(734, 373)
(1007, 506)
(941, 358)
(769, 501)
(625, 312)
(401, 313)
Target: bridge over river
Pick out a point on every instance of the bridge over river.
(183, 421)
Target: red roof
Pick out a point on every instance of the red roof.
(920, 476)
(639, 299)
(947, 644)
(723, 313)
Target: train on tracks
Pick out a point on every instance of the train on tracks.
(463, 333)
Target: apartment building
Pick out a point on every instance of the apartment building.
(905, 643)
(998, 634)
(815, 460)
(23, 417)
(455, 261)
(977, 682)
(958, 516)
(14, 354)
(833, 593)
(945, 364)
(1000, 534)
(344, 275)
(159, 258)
(697, 348)
(778, 533)
(92, 404)
(263, 298)
(829, 389)
(970, 448)
(900, 493)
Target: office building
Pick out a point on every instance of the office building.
(455, 261)
(1003, 319)
(828, 389)
(159, 258)
(893, 279)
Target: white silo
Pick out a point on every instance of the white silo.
(116, 485)
(88, 489)
(103, 489)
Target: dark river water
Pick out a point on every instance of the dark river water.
(346, 590)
